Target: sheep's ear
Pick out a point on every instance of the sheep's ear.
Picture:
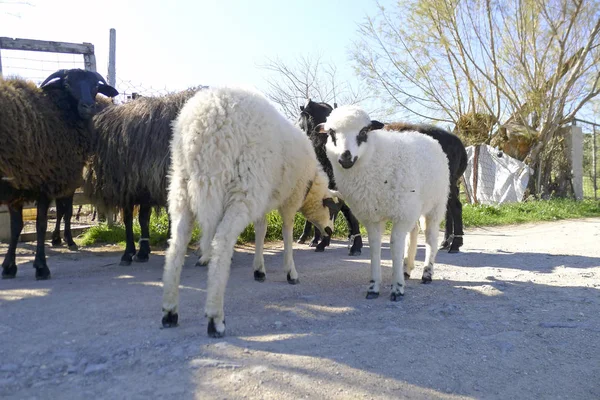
(320, 128)
(375, 125)
(108, 90)
(332, 204)
(301, 108)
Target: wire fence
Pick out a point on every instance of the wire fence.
(37, 66)
(591, 164)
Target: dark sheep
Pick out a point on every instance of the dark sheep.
(64, 205)
(312, 114)
(45, 139)
(457, 161)
(131, 160)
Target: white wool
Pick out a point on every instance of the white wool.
(396, 177)
(235, 158)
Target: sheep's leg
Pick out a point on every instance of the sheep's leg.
(398, 239)
(374, 231)
(174, 258)
(9, 265)
(449, 226)
(316, 238)
(432, 223)
(143, 253)
(129, 243)
(356, 243)
(411, 252)
(306, 232)
(235, 219)
(260, 231)
(67, 205)
(42, 271)
(288, 245)
(458, 233)
(60, 212)
(208, 233)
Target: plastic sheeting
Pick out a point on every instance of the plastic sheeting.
(499, 177)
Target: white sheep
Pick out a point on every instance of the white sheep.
(384, 175)
(235, 158)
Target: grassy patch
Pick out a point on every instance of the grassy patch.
(473, 216)
(529, 211)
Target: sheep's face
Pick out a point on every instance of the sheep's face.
(319, 205)
(322, 215)
(347, 128)
(312, 114)
(82, 87)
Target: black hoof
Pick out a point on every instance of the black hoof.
(406, 275)
(426, 279)
(319, 249)
(452, 250)
(73, 247)
(292, 281)
(313, 244)
(212, 329)
(396, 296)
(9, 272)
(56, 242)
(42, 273)
(141, 258)
(259, 276)
(170, 320)
(354, 253)
(372, 295)
(445, 245)
(302, 239)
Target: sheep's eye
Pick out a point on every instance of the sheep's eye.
(362, 136)
(332, 134)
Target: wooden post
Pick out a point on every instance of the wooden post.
(475, 173)
(112, 53)
(594, 163)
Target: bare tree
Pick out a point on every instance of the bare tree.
(308, 77)
(534, 63)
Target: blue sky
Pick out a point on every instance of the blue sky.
(176, 44)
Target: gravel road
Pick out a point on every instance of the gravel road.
(516, 315)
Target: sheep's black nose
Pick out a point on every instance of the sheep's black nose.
(346, 160)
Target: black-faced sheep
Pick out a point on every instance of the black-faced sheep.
(45, 138)
(130, 162)
(64, 205)
(457, 162)
(312, 114)
(235, 158)
(384, 175)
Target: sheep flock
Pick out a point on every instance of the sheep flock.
(224, 157)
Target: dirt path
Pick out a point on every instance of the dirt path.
(516, 315)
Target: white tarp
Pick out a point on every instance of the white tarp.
(500, 178)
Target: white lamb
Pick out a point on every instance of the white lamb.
(387, 175)
(235, 158)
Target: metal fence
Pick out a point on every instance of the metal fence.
(591, 167)
(35, 60)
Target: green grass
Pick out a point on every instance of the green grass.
(529, 211)
(473, 216)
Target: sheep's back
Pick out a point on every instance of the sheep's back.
(131, 157)
(42, 150)
(231, 144)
